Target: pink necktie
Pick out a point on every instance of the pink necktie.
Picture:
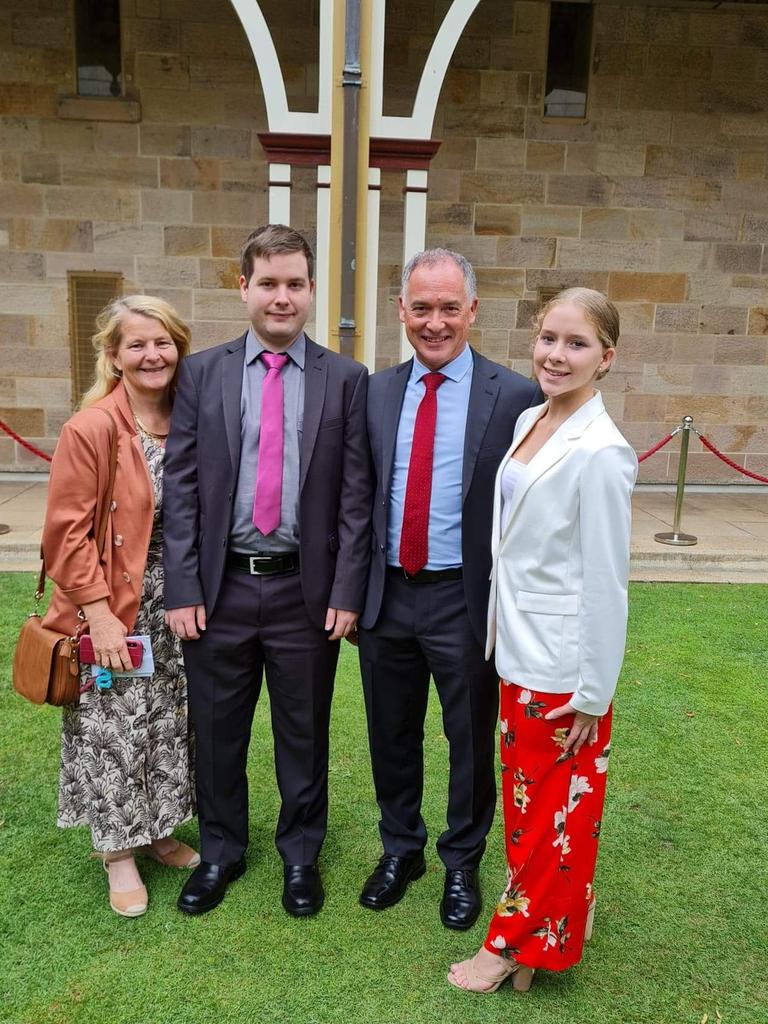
(269, 480)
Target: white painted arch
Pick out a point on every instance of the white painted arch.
(279, 117)
(419, 124)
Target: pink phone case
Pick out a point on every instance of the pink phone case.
(88, 656)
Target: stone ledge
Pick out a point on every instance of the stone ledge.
(96, 108)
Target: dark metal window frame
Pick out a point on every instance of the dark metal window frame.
(78, 12)
(559, 118)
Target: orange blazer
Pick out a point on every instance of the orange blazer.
(79, 475)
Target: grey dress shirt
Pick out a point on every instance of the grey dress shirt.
(244, 537)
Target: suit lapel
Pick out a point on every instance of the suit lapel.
(483, 394)
(315, 379)
(231, 392)
(393, 404)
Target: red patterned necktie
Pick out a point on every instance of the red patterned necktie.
(414, 538)
(269, 479)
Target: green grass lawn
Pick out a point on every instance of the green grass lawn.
(682, 883)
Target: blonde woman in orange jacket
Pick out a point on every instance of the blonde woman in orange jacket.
(126, 766)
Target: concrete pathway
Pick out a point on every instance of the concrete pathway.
(731, 525)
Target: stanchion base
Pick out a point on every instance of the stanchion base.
(5, 528)
(677, 539)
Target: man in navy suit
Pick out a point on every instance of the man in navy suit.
(425, 610)
(267, 545)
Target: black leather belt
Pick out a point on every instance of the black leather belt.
(264, 565)
(426, 575)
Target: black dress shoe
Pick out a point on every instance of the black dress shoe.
(460, 905)
(206, 886)
(302, 889)
(387, 885)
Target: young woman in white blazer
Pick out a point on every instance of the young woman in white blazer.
(557, 618)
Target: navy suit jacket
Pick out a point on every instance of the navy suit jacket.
(496, 399)
(201, 465)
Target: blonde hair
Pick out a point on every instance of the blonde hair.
(108, 334)
(599, 311)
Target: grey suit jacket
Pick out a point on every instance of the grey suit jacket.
(496, 399)
(201, 465)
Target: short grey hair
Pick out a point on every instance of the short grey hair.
(433, 257)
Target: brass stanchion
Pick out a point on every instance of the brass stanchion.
(676, 537)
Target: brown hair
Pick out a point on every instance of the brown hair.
(272, 240)
(598, 309)
(106, 340)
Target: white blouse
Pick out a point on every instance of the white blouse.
(510, 478)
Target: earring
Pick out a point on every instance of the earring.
(116, 372)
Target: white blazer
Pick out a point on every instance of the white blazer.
(558, 605)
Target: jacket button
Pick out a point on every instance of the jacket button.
(127, 577)
(112, 506)
(382, 546)
(118, 540)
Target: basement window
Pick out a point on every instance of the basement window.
(89, 293)
(97, 45)
(568, 57)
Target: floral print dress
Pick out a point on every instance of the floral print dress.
(553, 806)
(127, 752)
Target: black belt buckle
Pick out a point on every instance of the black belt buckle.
(265, 565)
(271, 565)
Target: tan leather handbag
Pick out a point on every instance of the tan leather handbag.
(46, 667)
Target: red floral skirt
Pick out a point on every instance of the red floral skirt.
(553, 804)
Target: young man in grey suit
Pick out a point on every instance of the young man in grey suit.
(267, 545)
(439, 425)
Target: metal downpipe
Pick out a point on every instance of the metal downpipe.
(351, 82)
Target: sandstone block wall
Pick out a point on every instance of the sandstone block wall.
(659, 197)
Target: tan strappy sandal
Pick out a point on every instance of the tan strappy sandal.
(590, 920)
(127, 904)
(478, 982)
(181, 856)
(523, 978)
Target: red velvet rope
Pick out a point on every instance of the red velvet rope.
(652, 451)
(729, 462)
(24, 444)
(641, 458)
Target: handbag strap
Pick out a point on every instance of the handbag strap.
(101, 530)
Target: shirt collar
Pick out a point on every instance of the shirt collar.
(297, 350)
(456, 370)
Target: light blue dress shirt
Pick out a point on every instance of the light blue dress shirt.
(447, 464)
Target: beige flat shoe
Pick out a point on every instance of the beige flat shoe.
(127, 904)
(181, 856)
(478, 982)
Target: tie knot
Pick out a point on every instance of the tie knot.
(274, 360)
(432, 381)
